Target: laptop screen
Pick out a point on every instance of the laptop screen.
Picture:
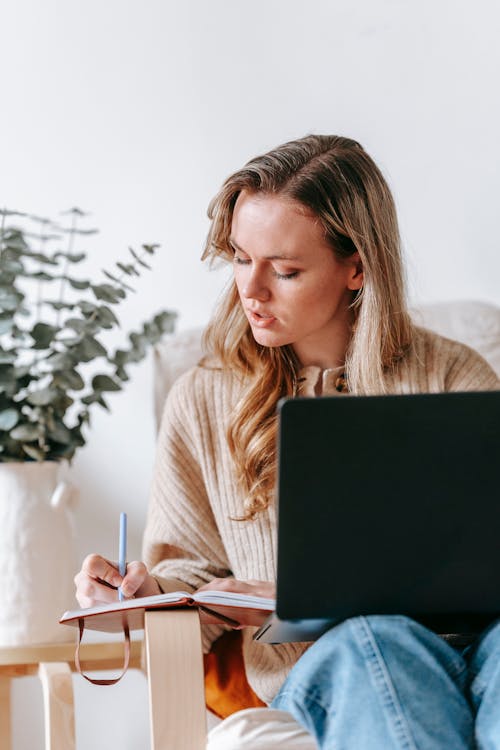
(390, 504)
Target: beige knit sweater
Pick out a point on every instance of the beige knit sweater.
(190, 537)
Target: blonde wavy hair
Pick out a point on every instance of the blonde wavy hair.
(337, 181)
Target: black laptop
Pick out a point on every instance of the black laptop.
(388, 504)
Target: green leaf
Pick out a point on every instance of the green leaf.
(83, 418)
(36, 453)
(43, 397)
(13, 238)
(7, 357)
(102, 403)
(40, 257)
(26, 431)
(19, 334)
(76, 284)
(165, 320)
(59, 451)
(95, 398)
(6, 374)
(43, 220)
(22, 371)
(74, 211)
(43, 334)
(62, 403)
(72, 257)
(70, 341)
(41, 276)
(89, 348)
(121, 373)
(117, 280)
(43, 236)
(150, 248)
(61, 361)
(56, 305)
(7, 212)
(6, 324)
(8, 280)
(108, 293)
(76, 324)
(10, 299)
(60, 433)
(77, 434)
(69, 379)
(128, 268)
(8, 419)
(121, 357)
(106, 317)
(111, 277)
(10, 265)
(138, 259)
(105, 383)
(138, 342)
(151, 332)
(81, 326)
(87, 308)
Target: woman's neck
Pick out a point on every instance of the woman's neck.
(327, 351)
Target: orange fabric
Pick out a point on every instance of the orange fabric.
(226, 686)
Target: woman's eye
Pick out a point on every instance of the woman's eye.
(290, 275)
(241, 261)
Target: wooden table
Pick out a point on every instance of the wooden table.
(175, 675)
(53, 663)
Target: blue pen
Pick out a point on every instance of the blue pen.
(122, 552)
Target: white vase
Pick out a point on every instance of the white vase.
(37, 553)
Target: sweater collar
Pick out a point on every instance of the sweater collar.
(314, 381)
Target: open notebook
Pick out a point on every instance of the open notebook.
(214, 606)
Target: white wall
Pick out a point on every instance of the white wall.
(137, 111)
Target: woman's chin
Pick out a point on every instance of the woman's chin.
(268, 338)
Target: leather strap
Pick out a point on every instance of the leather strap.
(126, 655)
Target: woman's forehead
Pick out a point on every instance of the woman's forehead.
(269, 213)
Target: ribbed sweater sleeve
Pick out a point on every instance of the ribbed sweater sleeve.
(182, 546)
(183, 542)
(436, 364)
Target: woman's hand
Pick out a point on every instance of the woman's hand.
(98, 580)
(254, 588)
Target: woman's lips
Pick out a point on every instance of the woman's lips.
(262, 320)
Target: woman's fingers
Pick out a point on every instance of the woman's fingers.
(222, 584)
(251, 587)
(98, 580)
(134, 580)
(91, 591)
(101, 569)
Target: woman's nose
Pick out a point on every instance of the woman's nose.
(256, 288)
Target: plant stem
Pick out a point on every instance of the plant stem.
(40, 285)
(1, 233)
(64, 276)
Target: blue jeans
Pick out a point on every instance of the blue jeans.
(388, 683)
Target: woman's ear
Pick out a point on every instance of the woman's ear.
(356, 275)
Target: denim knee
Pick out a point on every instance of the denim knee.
(380, 676)
(399, 637)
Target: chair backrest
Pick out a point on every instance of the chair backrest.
(476, 324)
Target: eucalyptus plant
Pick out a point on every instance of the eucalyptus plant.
(53, 365)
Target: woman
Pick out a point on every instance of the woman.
(317, 307)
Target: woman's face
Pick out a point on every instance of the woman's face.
(292, 287)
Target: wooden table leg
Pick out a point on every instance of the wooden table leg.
(58, 705)
(5, 713)
(175, 675)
